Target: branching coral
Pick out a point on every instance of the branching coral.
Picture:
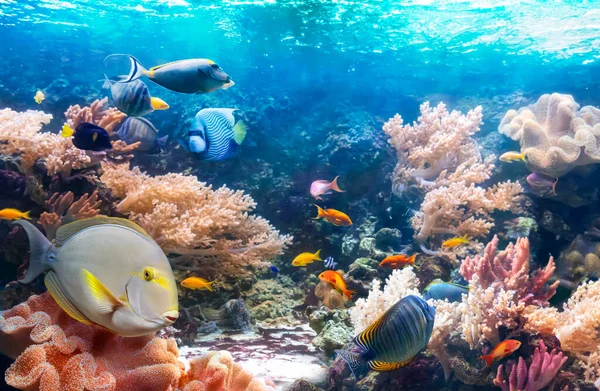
(438, 147)
(55, 352)
(211, 229)
(95, 114)
(63, 209)
(542, 370)
(554, 134)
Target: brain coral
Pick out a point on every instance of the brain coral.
(554, 134)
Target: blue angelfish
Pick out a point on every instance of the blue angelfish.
(440, 290)
(394, 339)
(216, 134)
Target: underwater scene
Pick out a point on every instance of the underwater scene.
(299, 195)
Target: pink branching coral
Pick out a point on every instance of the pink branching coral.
(55, 352)
(63, 209)
(211, 229)
(542, 370)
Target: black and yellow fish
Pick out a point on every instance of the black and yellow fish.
(394, 339)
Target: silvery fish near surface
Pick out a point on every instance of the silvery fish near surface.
(216, 134)
(106, 271)
(394, 339)
(134, 129)
(193, 76)
(134, 98)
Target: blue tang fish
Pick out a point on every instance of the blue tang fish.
(394, 339)
(91, 137)
(134, 98)
(134, 129)
(274, 270)
(440, 290)
(216, 134)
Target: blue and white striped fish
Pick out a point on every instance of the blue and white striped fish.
(330, 263)
(216, 134)
(394, 339)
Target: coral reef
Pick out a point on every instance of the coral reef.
(333, 328)
(63, 209)
(555, 135)
(212, 230)
(55, 352)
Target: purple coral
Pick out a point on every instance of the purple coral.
(543, 368)
(509, 269)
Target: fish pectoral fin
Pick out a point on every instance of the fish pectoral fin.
(104, 299)
(57, 293)
(380, 366)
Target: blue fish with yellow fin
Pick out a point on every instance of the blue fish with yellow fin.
(440, 290)
(394, 339)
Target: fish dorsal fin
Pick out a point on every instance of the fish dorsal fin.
(154, 68)
(364, 339)
(228, 114)
(65, 232)
(104, 299)
(381, 366)
(53, 286)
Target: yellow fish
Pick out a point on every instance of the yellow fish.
(13, 214)
(306, 258)
(510, 157)
(67, 131)
(199, 283)
(39, 97)
(454, 242)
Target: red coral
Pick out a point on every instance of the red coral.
(509, 269)
(54, 352)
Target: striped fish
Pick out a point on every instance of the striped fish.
(216, 134)
(134, 98)
(394, 339)
(330, 263)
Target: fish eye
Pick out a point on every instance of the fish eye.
(148, 274)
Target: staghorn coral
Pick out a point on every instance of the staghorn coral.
(211, 229)
(437, 149)
(541, 371)
(554, 134)
(54, 352)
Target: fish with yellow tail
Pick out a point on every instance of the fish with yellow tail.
(503, 349)
(306, 258)
(39, 97)
(333, 216)
(394, 339)
(509, 157)
(198, 283)
(455, 242)
(13, 214)
(67, 131)
(336, 280)
(106, 271)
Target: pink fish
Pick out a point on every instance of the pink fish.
(322, 186)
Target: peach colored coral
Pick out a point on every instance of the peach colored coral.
(54, 352)
(211, 229)
(554, 134)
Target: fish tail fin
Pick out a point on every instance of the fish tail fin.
(412, 259)
(334, 185)
(136, 69)
(40, 249)
(357, 364)
(317, 255)
(158, 104)
(239, 132)
(162, 142)
(489, 359)
(523, 157)
(107, 82)
(348, 293)
(320, 212)
(209, 286)
(26, 215)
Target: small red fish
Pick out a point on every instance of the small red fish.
(398, 261)
(321, 186)
(503, 349)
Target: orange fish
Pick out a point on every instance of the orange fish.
(503, 349)
(398, 261)
(13, 214)
(333, 216)
(337, 281)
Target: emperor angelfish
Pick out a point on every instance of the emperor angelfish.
(216, 134)
(134, 98)
(106, 271)
(135, 129)
(193, 76)
(394, 339)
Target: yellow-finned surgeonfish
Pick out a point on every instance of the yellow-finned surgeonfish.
(199, 283)
(13, 214)
(39, 97)
(394, 339)
(193, 76)
(106, 271)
